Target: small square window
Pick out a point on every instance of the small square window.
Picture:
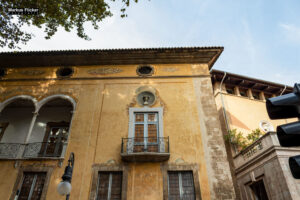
(230, 90)
(243, 92)
(255, 95)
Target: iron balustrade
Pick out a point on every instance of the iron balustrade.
(145, 144)
(32, 150)
(10, 150)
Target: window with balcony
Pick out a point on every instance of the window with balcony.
(31, 129)
(145, 138)
(32, 186)
(109, 186)
(146, 132)
(15, 120)
(50, 132)
(181, 185)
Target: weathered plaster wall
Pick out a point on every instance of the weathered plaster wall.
(101, 120)
(245, 114)
(221, 185)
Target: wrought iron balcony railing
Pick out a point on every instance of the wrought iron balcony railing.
(145, 149)
(32, 150)
(10, 150)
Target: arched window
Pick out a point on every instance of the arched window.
(51, 129)
(15, 119)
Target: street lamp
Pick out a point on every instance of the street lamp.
(64, 187)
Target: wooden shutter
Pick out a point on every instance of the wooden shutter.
(109, 186)
(32, 186)
(103, 186)
(174, 193)
(116, 186)
(188, 185)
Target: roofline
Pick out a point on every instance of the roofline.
(250, 78)
(169, 55)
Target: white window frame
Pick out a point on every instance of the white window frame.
(131, 134)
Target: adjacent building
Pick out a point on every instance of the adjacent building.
(261, 171)
(142, 123)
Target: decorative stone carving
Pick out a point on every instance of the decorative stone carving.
(38, 92)
(170, 69)
(104, 71)
(157, 101)
(32, 72)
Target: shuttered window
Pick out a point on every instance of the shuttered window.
(109, 186)
(146, 132)
(181, 185)
(32, 186)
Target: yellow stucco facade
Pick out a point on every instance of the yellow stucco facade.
(103, 95)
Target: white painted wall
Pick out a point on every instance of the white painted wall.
(19, 121)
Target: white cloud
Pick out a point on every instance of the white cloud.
(291, 31)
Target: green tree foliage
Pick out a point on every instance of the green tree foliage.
(69, 14)
(237, 138)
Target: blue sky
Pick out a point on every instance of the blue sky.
(261, 37)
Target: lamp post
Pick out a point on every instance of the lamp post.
(64, 187)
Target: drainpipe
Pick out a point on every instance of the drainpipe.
(223, 105)
(283, 90)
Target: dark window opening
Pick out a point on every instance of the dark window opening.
(259, 191)
(32, 186)
(2, 72)
(243, 93)
(181, 185)
(145, 70)
(65, 72)
(255, 95)
(55, 137)
(229, 90)
(109, 186)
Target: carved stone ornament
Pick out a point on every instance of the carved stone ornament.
(106, 70)
(170, 69)
(32, 72)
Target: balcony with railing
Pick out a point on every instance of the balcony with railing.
(145, 149)
(264, 146)
(36, 150)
